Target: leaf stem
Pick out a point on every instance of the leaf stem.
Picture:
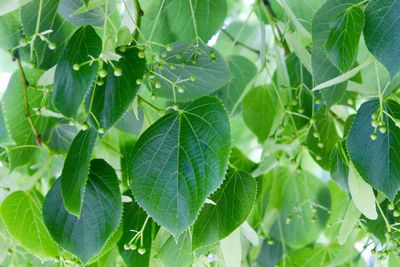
(138, 20)
(236, 42)
(38, 137)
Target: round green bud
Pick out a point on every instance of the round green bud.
(373, 136)
(383, 129)
(320, 145)
(84, 126)
(23, 41)
(141, 251)
(179, 55)
(76, 67)
(169, 47)
(158, 85)
(102, 73)
(101, 130)
(374, 123)
(100, 82)
(52, 46)
(390, 206)
(126, 247)
(193, 77)
(301, 110)
(118, 72)
(141, 54)
(132, 246)
(139, 81)
(181, 90)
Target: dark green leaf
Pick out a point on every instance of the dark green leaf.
(322, 137)
(21, 213)
(339, 168)
(187, 74)
(181, 20)
(71, 86)
(131, 123)
(240, 161)
(382, 30)
(111, 100)
(179, 160)
(134, 218)
(100, 216)
(377, 161)
(342, 43)
(243, 71)
(323, 68)
(233, 203)
(61, 136)
(75, 171)
(262, 111)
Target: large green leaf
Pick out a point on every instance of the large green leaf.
(22, 214)
(10, 30)
(17, 124)
(100, 216)
(233, 203)
(179, 160)
(243, 71)
(75, 171)
(377, 161)
(302, 202)
(342, 43)
(189, 72)
(60, 137)
(382, 30)
(323, 68)
(111, 100)
(167, 21)
(134, 218)
(174, 252)
(262, 111)
(71, 86)
(322, 137)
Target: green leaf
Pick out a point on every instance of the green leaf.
(168, 21)
(243, 71)
(179, 160)
(323, 68)
(111, 100)
(262, 111)
(17, 124)
(342, 43)
(376, 161)
(60, 137)
(233, 203)
(362, 194)
(71, 86)
(382, 28)
(10, 29)
(100, 216)
(39, 16)
(4, 136)
(231, 249)
(135, 218)
(76, 12)
(240, 161)
(302, 202)
(189, 72)
(7, 6)
(176, 252)
(21, 213)
(349, 223)
(338, 168)
(322, 137)
(75, 171)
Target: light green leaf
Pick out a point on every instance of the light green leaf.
(382, 29)
(22, 214)
(231, 248)
(362, 194)
(75, 171)
(189, 73)
(167, 21)
(71, 86)
(342, 43)
(233, 203)
(349, 223)
(262, 111)
(176, 252)
(179, 160)
(17, 124)
(243, 71)
(322, 137)
(377, 161)
(111, 100)
(302, 202)
(100, 216)
(10, 29)
(323, 69)
(6, 6)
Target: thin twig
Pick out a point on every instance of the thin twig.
(38, 137)
(235, 42)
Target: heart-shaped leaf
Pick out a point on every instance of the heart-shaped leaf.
(179, 160)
